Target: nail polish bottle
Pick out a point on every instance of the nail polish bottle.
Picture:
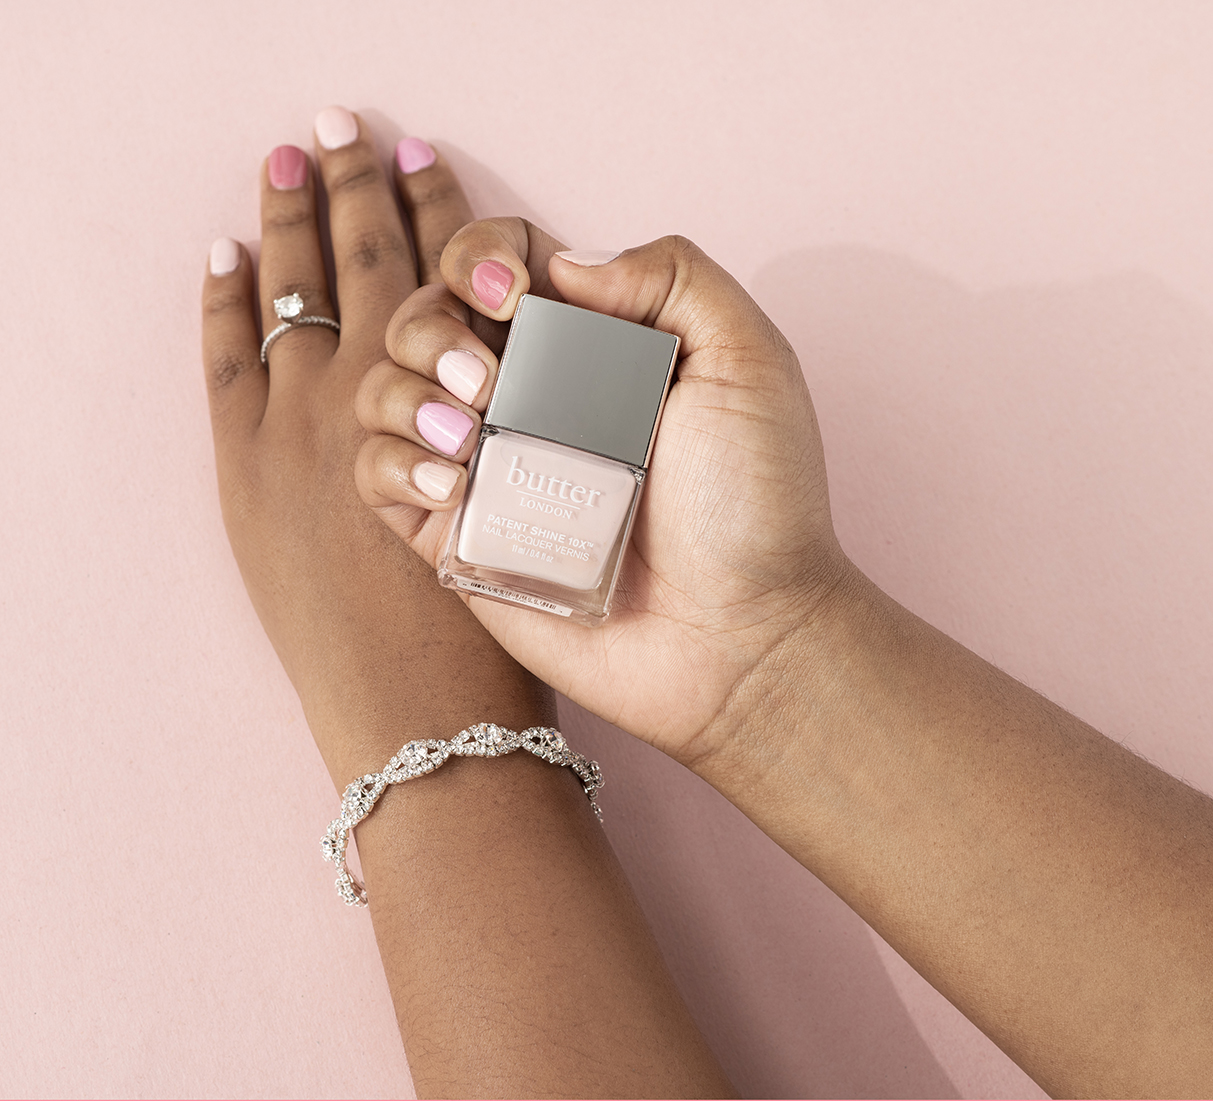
(563, 453)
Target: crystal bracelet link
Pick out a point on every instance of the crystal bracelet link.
(419, 757)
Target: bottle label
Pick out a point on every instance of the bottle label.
(544, 510)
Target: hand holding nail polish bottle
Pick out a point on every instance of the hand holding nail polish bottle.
(563, 454)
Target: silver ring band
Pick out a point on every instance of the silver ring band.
(286, 326)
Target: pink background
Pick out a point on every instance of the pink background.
(985, 227)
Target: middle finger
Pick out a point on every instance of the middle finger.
(371, 253)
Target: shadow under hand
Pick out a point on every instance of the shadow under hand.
(781, 976)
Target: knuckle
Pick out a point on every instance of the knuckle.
(226, 366)
(416, 306)
(681, 248)
(220, 302)
(354, 178)
(514, 225)
(412, 337)
(288, 216)
(441, 191)
(372, 248)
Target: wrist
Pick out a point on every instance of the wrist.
(361, 719)
(780, 701)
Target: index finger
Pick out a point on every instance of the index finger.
(492, 263)
(433, 200)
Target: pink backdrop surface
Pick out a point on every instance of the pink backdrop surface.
(984, 226)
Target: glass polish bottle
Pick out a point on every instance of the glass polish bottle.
(563, 453)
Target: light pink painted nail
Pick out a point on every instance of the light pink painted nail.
(435, 481)
(225, 256)
(336, 127)
(443, 426)
(588, 257)
(288, 168)
(413, 154)
(491, 282)
(462, 374)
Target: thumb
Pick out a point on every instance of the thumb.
(673, 285)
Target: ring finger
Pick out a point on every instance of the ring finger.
(291, 261)
(401, 403)
(434, 200)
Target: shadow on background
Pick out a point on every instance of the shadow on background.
(1030, 469)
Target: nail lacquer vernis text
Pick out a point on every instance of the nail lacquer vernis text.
(554, 483)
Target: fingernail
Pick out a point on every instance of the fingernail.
(336, 127)
(288, 168)
(588, 257)
(413, 154)
(462, 374)
(225, 257)
(443, 426)
(435, 481)
(491, 282)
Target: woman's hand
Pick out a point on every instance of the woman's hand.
(348, 609)
(733, 548)
(471, 869)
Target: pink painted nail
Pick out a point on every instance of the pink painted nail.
(335, 127)
(588, 257)
(443, 426)
(413, 154)
(225, 257)
(435, 481)
(288, 168)
(491, 282)
(462, 374)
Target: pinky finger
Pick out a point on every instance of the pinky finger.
(413, 491)
(236, 381)
(392, 471)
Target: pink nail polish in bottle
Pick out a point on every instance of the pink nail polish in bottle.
(563, 453)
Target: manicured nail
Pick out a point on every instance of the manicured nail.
(435, 481)
(491, 282)
(288, 168)
(462, 374)
(588, 257)
(443, 426)
(336, 127)
(225, 256)
(413, 154)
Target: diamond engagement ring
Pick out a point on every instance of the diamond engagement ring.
(289, 310)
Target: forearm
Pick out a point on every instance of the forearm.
(518, 960)
(1055, 887)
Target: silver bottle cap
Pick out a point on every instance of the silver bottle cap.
(583, 379)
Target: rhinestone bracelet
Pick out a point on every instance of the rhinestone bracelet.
(422, 756)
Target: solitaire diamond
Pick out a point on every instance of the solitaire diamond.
(288, 308)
